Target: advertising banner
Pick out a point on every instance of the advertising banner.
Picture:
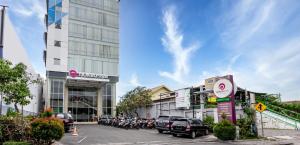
(182, 98)
(225, 90)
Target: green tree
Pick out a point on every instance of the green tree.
(14, 81)
(137, 98)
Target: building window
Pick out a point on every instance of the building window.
(57, 95)
(107, 99)
(56, 61)
(58, 25)
(57, 43)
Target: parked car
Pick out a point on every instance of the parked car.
(163, 123)
(190, 127)
(67, 120)
(105, 119)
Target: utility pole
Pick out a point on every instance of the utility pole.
(1, 45)
(159, 103)
(2, 30)
(193, 100)
(262, 125)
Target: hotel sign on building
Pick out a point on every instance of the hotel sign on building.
(73, 74)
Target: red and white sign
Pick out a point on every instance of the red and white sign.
(73, 73)
(223, 88)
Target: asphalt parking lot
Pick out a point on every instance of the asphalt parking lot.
(106, 135)
(98, 135)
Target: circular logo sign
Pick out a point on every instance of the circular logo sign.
(223, 88)
(73, 73)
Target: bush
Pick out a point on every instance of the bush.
(47, 113)
(16, 143)
(47, 130)
(14, 128)
(209, 121)
(225, 130)
(11, 112)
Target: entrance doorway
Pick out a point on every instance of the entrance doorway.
(83, 104)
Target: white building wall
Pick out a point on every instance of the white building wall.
(61, 53)
(15, 52)
(275, 121)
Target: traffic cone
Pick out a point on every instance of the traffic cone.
(75, 133)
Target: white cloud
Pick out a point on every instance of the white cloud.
(29, 8)
(172, 41)
(124, 86)
(269, 65)
(134, 81)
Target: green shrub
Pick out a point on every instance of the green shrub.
(47, 130)
(11, 112)
(47, 113)
(14, 128)
(209, 121)
(225, 130)
(16, 143)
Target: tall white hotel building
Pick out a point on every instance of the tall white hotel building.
(82, 57)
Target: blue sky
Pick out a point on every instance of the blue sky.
(180, 43)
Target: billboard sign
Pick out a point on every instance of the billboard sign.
(182, 98)
(223, 88)
(225, 108)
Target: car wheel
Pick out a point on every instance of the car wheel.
(160, 131)
(193, 135)
(175, 135)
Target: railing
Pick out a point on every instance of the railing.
(284, 112)
(283, 119)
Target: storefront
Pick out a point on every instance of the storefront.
(86, 97)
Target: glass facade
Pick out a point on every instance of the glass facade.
(107, 99)
(92, 48)
(83, 104)
(57, 95)
(93, 36)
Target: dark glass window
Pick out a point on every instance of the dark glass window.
(57, 43)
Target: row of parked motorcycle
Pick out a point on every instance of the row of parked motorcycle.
(127, 122)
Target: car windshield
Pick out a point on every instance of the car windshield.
(61, 116)
(180, 122)
(163, 118)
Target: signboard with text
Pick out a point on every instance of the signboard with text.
(182, 98)
(73, 74)
(225, 89)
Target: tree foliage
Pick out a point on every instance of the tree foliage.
(137, 98)
(14, 81)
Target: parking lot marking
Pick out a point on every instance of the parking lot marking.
(82, 139)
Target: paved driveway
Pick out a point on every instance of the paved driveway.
(97, 135)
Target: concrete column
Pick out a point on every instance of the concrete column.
(113, 99)
(46, 94)
(66, 99)
(99, 100)
(216, 117)
(201, 103)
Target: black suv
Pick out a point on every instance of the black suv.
(163, 123)
(67, 120)
(105, 119)
(191, 127)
